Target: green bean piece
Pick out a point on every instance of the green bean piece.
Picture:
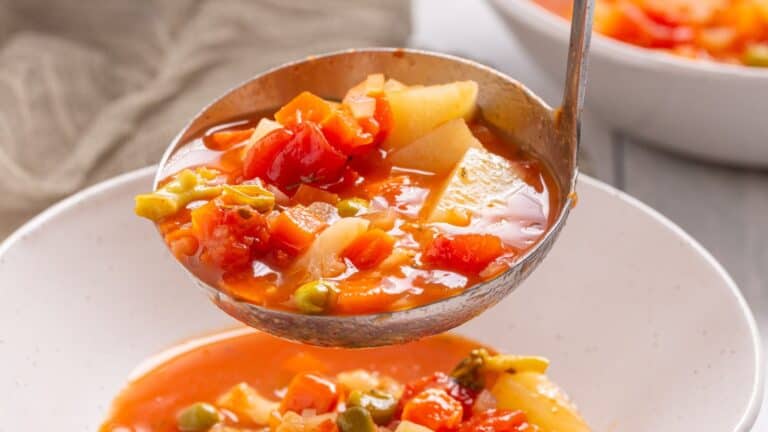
(251, 195)
(380, 405)
(470, 371)
(351, 206)
(198, 417)
(355, 419)
(314, 297)
(186, 180)
(186, 186)
(756, 55)
(155, 206)
(467, 372)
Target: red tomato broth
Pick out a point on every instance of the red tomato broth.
(267, 363)
(729, 31)
(271, 282)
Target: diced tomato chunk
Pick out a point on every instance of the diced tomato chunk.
(496, 420)
(348, 182)
(226, 139)
(374, 164)
(294, 229)
(310, 391)
(383, 117)
(231, 237)
(370, 125)
(468, 253)
(261, 156)
(435, 409)
(389, 188)
(287, 158)
(369, 249)
(465, 396)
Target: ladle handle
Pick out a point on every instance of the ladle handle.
(576, 72)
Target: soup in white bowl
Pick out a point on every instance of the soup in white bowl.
(634, 315)
(706, 109)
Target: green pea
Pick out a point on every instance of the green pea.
(380, 405)
(314, 297)
(198, 417)
(355, 419)
(351, 206)
(756, 55)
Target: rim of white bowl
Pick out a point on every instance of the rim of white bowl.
(755, 401)
(545, 21)
(753, 406)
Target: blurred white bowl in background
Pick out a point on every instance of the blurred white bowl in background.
(709, 110)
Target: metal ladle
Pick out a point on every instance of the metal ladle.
(550, 134)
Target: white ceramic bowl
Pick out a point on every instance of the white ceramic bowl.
(644, 329)
(704, 109)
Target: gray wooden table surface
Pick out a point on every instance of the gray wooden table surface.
(725, 209)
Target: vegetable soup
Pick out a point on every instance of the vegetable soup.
(250, 381)
(395, 197)
(730, 31)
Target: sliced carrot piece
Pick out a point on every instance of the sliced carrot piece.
(435, 409)
(244, 286)
(345, 133)
(225, 139)
(363, 295)
(369, 248)
(294, 229)
(310, 391)
(304, 107)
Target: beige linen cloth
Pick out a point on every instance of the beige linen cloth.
(93, 88)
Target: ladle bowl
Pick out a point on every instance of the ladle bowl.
(550, 135)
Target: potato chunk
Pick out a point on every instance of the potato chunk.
(418, 110)
(406, 426)
(323, 258)
(247, 403)
(542, 401)
(480, 181)
(438, 151)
